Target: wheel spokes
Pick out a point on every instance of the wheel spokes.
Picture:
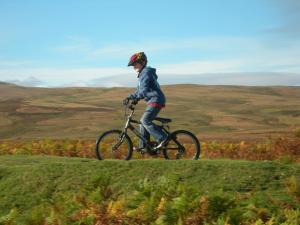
(183, 147)
(113, 147)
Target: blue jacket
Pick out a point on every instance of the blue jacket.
(148, 87)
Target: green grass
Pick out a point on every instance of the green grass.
(29, 181)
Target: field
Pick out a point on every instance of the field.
(49, 174)
(211, 112)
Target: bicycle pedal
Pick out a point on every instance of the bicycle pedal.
(137, 149)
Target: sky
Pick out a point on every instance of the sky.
(88, 43)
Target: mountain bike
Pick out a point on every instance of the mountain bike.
(116, 144)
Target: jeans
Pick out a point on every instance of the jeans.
(147, 127)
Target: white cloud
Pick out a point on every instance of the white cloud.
(15, 63)
(165, 77)
(76, 84)
(254, 79)
(124, 49)
(231, 55)
(28, 82)
(74, 44)
(196, 67)
(125, 76)
(61, 74)
(72, 76)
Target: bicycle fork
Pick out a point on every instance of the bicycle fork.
(121, 139)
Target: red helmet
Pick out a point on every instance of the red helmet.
(137, 58)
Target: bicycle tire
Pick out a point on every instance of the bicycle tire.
(174, 135)
(100, 140)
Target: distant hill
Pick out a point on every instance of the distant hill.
(212, 112)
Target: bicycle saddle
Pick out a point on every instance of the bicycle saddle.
(163, 120)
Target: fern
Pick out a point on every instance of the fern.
(9, 219)
(292, 217)
(219, 204)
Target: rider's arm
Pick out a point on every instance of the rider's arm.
(133, 95)
(144, 87)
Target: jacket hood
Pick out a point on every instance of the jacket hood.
(151, 70)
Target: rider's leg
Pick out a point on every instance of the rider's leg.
(146, 120)
(145, 134)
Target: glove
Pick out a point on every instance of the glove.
(135, 101)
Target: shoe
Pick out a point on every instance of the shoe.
(162, 143)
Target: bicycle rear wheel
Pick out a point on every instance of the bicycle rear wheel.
(183, 145)
(114, 144)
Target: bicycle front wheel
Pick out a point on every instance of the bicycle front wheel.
(183, 145)
(114, 144)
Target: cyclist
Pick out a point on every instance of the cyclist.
(148, 89)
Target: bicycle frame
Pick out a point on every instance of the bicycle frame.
(129, 126)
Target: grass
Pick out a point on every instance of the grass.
(230, 121)
(27, 182)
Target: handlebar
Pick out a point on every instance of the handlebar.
(130, 103)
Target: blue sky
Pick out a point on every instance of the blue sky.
(78, 43)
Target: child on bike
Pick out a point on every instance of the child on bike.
(148, 89)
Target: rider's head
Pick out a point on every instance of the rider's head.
(138, 61)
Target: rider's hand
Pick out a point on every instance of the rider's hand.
(135, 101)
